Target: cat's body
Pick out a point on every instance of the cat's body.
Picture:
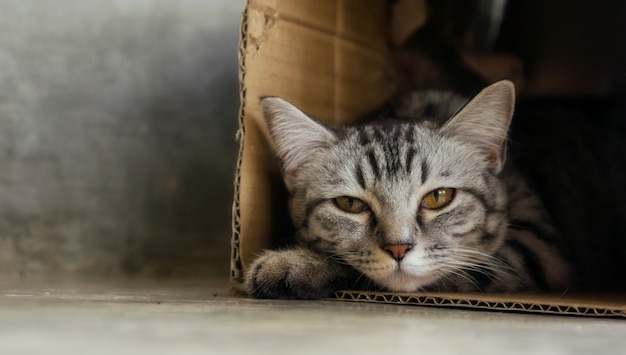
(408, 205)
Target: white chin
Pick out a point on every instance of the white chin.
(400, 281)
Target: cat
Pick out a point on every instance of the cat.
(421, 199)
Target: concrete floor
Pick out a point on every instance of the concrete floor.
(113, 317)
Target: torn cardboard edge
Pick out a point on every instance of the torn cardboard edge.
(251, 148)
(235, 258)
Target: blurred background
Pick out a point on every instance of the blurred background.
(117, 136)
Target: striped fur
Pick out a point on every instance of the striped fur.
(494, 236)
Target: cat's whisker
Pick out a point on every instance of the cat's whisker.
(462, 267)
(344, 258)
(497, 270)
(463, 275)
(469, 254)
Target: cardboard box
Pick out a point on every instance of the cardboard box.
(330, 58)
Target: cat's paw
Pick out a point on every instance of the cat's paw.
(292, 274)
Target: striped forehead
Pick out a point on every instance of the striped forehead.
(389, 152)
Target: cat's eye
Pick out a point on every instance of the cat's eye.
(438, 198)
(350, 204)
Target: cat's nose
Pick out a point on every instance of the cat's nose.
(397, 251)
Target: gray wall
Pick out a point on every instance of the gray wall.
(117, 125)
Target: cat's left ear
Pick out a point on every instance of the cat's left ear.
(485, 121)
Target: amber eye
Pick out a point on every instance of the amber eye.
(438, 198)
(350, 204)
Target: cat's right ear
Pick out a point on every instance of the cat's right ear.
(294, 134)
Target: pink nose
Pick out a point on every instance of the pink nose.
(397, 251)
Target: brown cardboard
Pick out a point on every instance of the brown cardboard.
(407, 17)
(330, 58)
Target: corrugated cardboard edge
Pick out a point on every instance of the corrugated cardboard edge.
(578, 305)
(235, 261)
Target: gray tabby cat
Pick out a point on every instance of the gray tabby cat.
(426, 204)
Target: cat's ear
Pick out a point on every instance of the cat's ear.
(294, 134)
(485, 121)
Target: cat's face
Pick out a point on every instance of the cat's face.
(405, 204)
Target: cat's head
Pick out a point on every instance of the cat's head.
(406, 204)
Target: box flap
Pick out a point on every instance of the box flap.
(322, 57)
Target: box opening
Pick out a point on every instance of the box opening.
(338, 60)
